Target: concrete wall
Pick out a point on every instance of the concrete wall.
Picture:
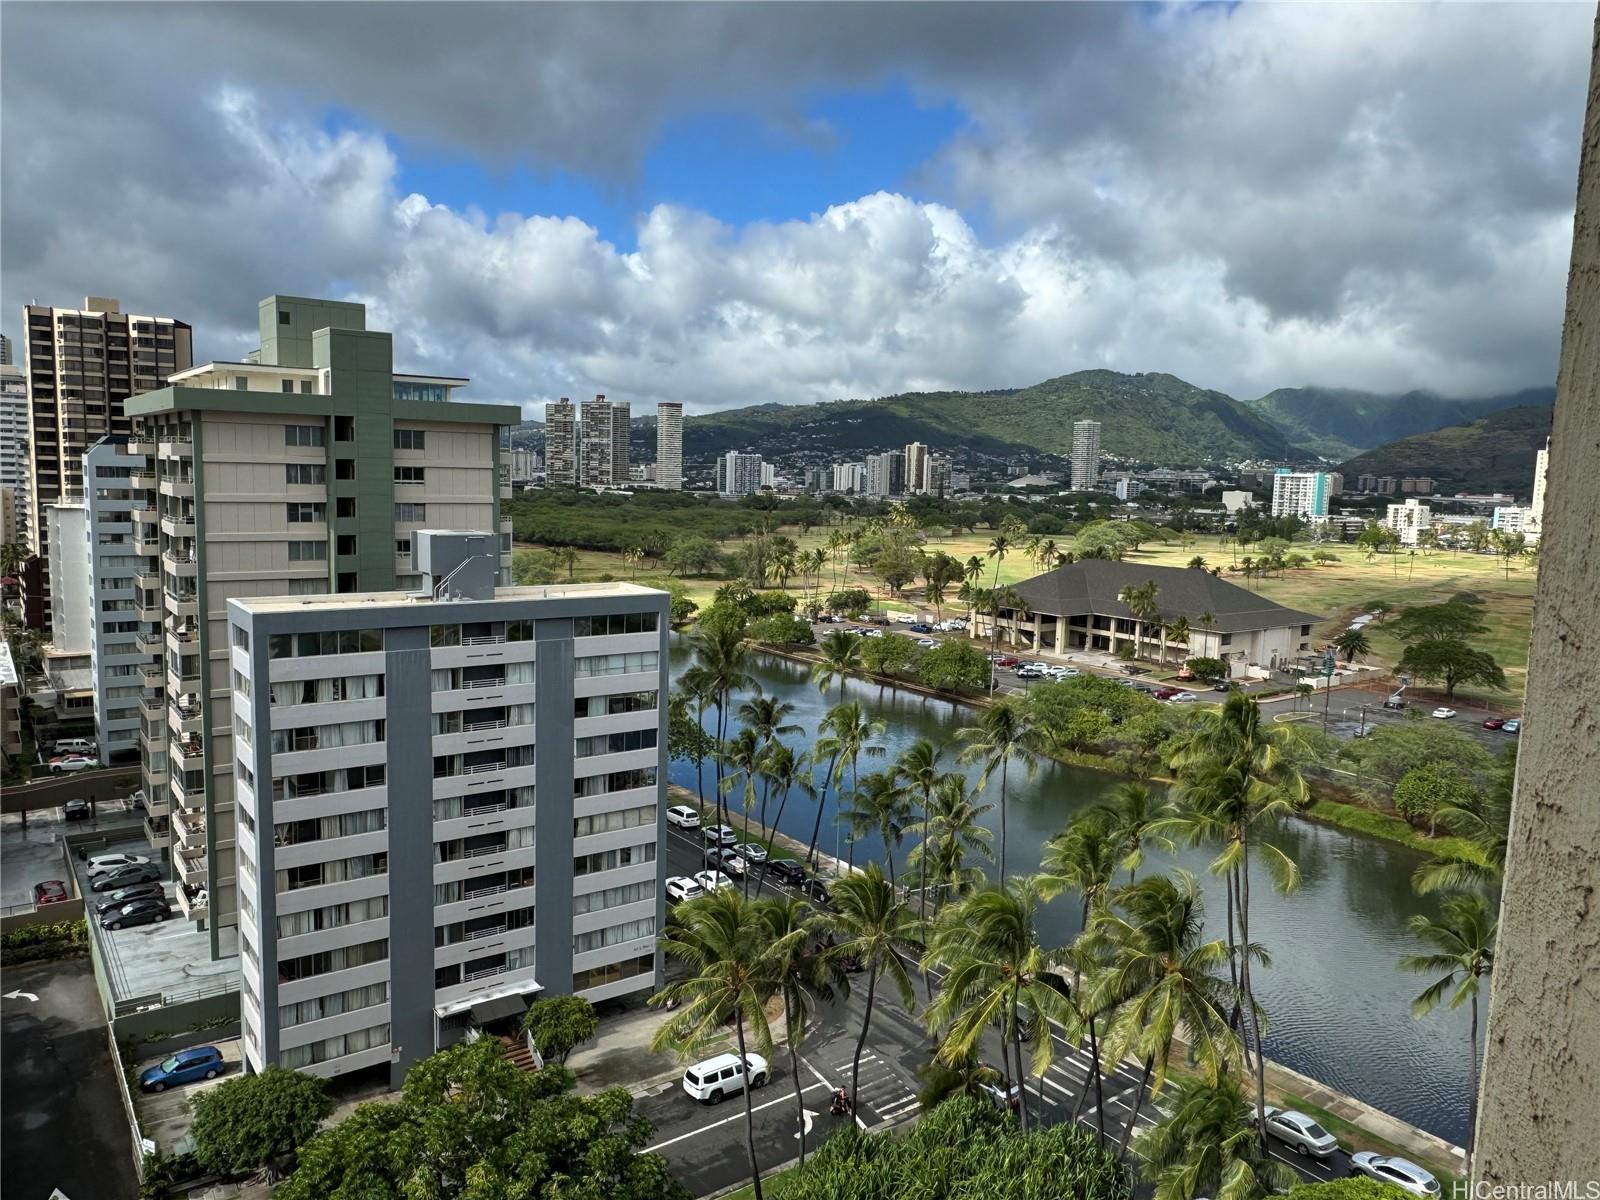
(1541, 1081)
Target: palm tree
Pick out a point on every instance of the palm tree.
(1140, 599)
(988, 945)
(955, 831)
(13, 557)
(1179, 632)
(943, 1081)
(845, 735)
(880, 803)
(1083, 858)
(1159, 981)
(743, 755)
(782, 771)
(737, 966)
(840, 658)
(724, 654)
(1137, 820)
(766, 717)
(1463, 949)
(1353, 644)
(805, 975)
(1205, 1144)
(1004, 731)
(999, 547)
(877, 930)
(918, 768)
(973, 569)
(1198, 562)
(567, 557)
(1234, 778)
(695, 685)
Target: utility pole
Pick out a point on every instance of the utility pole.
(1327, 686)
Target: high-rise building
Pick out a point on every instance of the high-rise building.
(116, 657)
(1541, 468)
(1302, 494)
(936, 475)
(1085, 455)
(669, 445)
(304, 470)
(887, 474)
(597, 444)
(14, 449)
(1408, 520)
(82, 364)
(916, 467)
(738, 474)
(850, 477)
(561, 443)
(66, 523)
(621, 442)
(5, 351)
(398, 882)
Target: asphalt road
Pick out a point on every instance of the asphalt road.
(1350, 710)
(705, 1143)
(62, 1124)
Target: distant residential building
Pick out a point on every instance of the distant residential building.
(525, 465)
(1233, 501)
(819, 479)
(1302, 494)
(1408, 520)
(769, 475)
(738, 474)
(887, 474)
(597, 445)
(669, 445)
(67, 529)
(914, 468)
(1421, 485)
(115, 654)
(10, 703)
(5, 351)
(1085, 455)
(936, 475)
(960, 481)
(14, 447)
(1127, 488)
(850, 477)
(621, 441)
(1541, 468)
(561, 443)
(1366, 483)
(1515, 519)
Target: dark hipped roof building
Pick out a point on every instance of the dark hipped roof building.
(1079, 607)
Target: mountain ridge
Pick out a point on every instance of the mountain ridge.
(1342, 422)
(1490, 454)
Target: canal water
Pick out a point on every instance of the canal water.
(1338, 1007)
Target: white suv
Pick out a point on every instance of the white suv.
(717, 1078)
(681, 887)
(683, 817)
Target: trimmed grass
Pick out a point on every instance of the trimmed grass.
(1390, 828)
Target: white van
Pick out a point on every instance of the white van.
(74, 746)
(712, 1080)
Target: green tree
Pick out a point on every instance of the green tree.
(1483, 821)
(877, 930)
(882, 804)
(249, 1122)
(1140, 600)
(1389, 752)
(805, 975)
(839, 658)
(1353, 644)
(1424, 792)
(955, 834)
(889, 655)
(737, 966)
(1205, 1144)
(559, 1024)
(850, 602)
(1342, 1189)
(1452, 663)
(954, 665)
(1004, 732)
(1207, 668)
(723, 654)
(782, 629)
(1461, 953)
(1138, 819)
(1083, 858)
(1083, 727)
(942, 1081)
(844, 735)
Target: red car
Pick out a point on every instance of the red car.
(51, 891)
(1494, 722)
(1009, 660)
(1167, 693)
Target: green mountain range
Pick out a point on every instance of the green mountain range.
(1340, 422)
(1152, 418)
(1494, 453)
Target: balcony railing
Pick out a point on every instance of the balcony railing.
(488, 639)
(480, 726)
(483, 810)
(479, 893)
(486, 973)
(484, 851)
(483, 768)
(473, 684)
(479, 934)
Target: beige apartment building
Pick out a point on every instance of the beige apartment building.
(303, 470)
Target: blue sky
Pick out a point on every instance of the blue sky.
(737, 166)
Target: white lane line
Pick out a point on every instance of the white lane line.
(889, 1114)
(738, 1116)
(822, 1079)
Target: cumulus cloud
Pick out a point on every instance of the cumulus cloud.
(1371, 196)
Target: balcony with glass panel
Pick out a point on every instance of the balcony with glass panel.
(184, 716)
(187, 752)
(177, 525)
(179, 561)
(180, 484)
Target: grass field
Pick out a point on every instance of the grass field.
(1336, 592)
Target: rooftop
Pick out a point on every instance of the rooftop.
(565, 591)
(1093, 585)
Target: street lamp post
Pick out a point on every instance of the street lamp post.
(1327, 686)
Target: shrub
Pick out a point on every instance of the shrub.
(557, 1024)
(782, 629)
(248, 1122)
(38, 943)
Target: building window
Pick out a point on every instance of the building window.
(347, 543)
(287, 384)
(326, 737)
(595, 977)
(333, 641)
(308, 387)
(283, 316)
(308, 552)
(616, 743)
(241, 637)
(306, 513)
(408, 475)
(617, 623)
(610, 860)
(240, 383)
(410, 512)
(304, 474)
(410, 439)
(344, 429)
(344, 507)
(344, 468)
(627, 818)
(308, 587)
(613, 935)
(616, 664)
(402, 547)
(303, 435)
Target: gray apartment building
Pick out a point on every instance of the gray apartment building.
(116, 657)
(449, 801)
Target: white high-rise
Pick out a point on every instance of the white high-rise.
(1541, 468)
(561, 443)
(738, 474)
(1302, 494)
(1085, 455)
(669, 445)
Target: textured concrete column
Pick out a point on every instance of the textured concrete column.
(1540, 1100)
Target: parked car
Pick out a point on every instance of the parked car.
(76, 810)
(1007, 660)
(1165, 693)
(927, 643)
(1511, 726)
(1040, 666)
(1398, 1171)
(752, 852)
(150, 910)
(872, 633)
(72, 762)
(1494, 723)
(101, 863)
(1301, 1132)
(1029, 673)
(921, 627)
(711, 881)
(1443, 713)
(681, 887)
(1130, 669)
(683, 817)
(201, 1062)
(787, 870)
(719, 835)
(713, 1081)
(1149, 689)
(1222, 685)
(50, 891)
(80, 746)
(139, 891)
(816, 890)
(1184, 698)
(905, 618)
(728, 859)
(122, 877)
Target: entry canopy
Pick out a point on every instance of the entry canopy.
(492, 1005)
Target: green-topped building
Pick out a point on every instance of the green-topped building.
(302, 470)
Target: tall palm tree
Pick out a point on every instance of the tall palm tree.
(919, 769)
(737, 966)
(1178, 632)
(955, 833)
(1083, 858)
(1462, 942)
(782, 771)
(943, 1081)
(999, 546)
(805, 975)
(724, 653)
(743, 756)
(840, 658)
(1234, 779)
(1004, 731)
(846, 734)
(1160, 980)
(1140, 599)
(876, 928)
(767, 718)
(883, 804)
(988, 945)
(695, 683)
(1205, 1144)
(1138, 819)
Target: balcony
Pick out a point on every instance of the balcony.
(157, 833)
(157, 808)
(147, 577)
(189, 799)
(193, 907)
(190, 828)
(191, 864)
(183, 604)
(146, 537)
(142, 479)
(152, 675)
(175, 445)
(153, 704)
(142, 444)
(144, 510)
(181, 486)
(186, 753)
(177, 525)
(179, 563)
(150, 641)
(185, 716)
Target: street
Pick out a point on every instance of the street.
(705, 1143)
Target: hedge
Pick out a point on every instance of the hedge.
(36, 943)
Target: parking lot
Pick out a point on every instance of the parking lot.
(164, 1117)
(1355, 710)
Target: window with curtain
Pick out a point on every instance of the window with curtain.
(332, 916)
(627, 818)
(326, 737)
(332, 1006)
(628, 893)
(613, 935)
(334, 1047)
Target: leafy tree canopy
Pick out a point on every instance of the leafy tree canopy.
(784, 629)
(954, 665)
(889, 655)
(245, 1123)
(1390, 752)
(1451, 662)
(557, 1024)
(849, 601)
(1206, 668)
(1436, 622)
(1423, 790)
(1342, 1189)
(693, 555)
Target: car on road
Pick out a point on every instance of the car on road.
(123, 877)
(127, 895)
(1222, 685)
(1165, 693)
(1494, 723)
(816, 890)
(752, 852)
(1003, 1096)
(200, 1062)
(713, 1081)
(1130, 669)
(69, 763)
(872, 633)
(1029, 673)
(76, 810)
(50, 891)
(151, 910)
(683, 817)
(681, 887)
(712, 881)
(927, 643)
(1443, 713)
(1185, 698)
(1007, 660)
(1300, 1131)
(102, 863)
(1511, 726)
(1040, 666)
(921, 627)
(1398, 1171)
(787, 870)
(719, 835)
(728, 859)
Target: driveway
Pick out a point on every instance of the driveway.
(63, 1122)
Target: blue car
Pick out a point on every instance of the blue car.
(921, 627)
(202, 1062)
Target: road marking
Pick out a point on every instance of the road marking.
(28, 996)
(891, 1113)
(809, 1117)
(735, 1117)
